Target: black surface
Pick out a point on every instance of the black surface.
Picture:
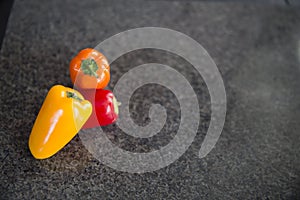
(256, 48)
(5, 7)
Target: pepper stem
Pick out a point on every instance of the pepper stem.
(89, 67)
(73, 95)
(116, 105)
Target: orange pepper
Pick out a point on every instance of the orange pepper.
(90, 69)
(61, 116)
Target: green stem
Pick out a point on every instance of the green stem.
(91, 69)
(116, 105)
(73, 95)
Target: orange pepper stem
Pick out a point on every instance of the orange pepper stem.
(89, 67)
(73, 95)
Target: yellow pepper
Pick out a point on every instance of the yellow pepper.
(62, 115)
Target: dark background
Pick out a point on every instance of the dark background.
(256, 47)
(5, 7)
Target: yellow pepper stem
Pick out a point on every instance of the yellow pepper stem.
(74, 96)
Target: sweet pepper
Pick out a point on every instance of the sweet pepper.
(105, 107)
(61, 116)
(89, 69)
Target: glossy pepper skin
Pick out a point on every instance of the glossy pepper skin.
(105, 107)
(89, 69)
(61, 116)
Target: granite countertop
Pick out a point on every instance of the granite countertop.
(257, 50)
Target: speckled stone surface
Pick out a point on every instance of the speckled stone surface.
(257, 50)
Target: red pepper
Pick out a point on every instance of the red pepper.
(105, 107)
